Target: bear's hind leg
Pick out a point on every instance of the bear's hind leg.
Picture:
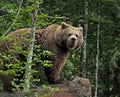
(7, 86)
(53, 76)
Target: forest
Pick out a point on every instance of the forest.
(99, 57)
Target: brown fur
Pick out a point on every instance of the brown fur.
(59, 39)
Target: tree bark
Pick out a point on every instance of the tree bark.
(31, 47)
(97, 53)
(85, 37)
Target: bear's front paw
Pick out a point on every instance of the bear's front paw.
(59, 81)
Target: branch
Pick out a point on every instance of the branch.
(56, 17)
(20, 4)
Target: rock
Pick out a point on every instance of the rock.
(81, 85)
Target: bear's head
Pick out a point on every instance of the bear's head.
(68, 37)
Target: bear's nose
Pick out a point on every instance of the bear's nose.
(73, 39)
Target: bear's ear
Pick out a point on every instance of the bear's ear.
(64, 25)
(81, 29)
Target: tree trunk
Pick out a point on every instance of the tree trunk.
(97, 53)
(85, 37)
(31, 47)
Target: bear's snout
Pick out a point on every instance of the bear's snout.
(73, 39)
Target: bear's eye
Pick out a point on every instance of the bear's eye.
(69, 34)
(76, 35)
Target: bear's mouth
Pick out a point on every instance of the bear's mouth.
(72, 45)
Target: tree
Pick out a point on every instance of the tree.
(85, 38)
(31, 47)
(97, 53)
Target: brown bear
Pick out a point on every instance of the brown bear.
(59, 39)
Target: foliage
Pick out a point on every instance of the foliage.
(49, 90)
(17, 67)
(67, 70)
